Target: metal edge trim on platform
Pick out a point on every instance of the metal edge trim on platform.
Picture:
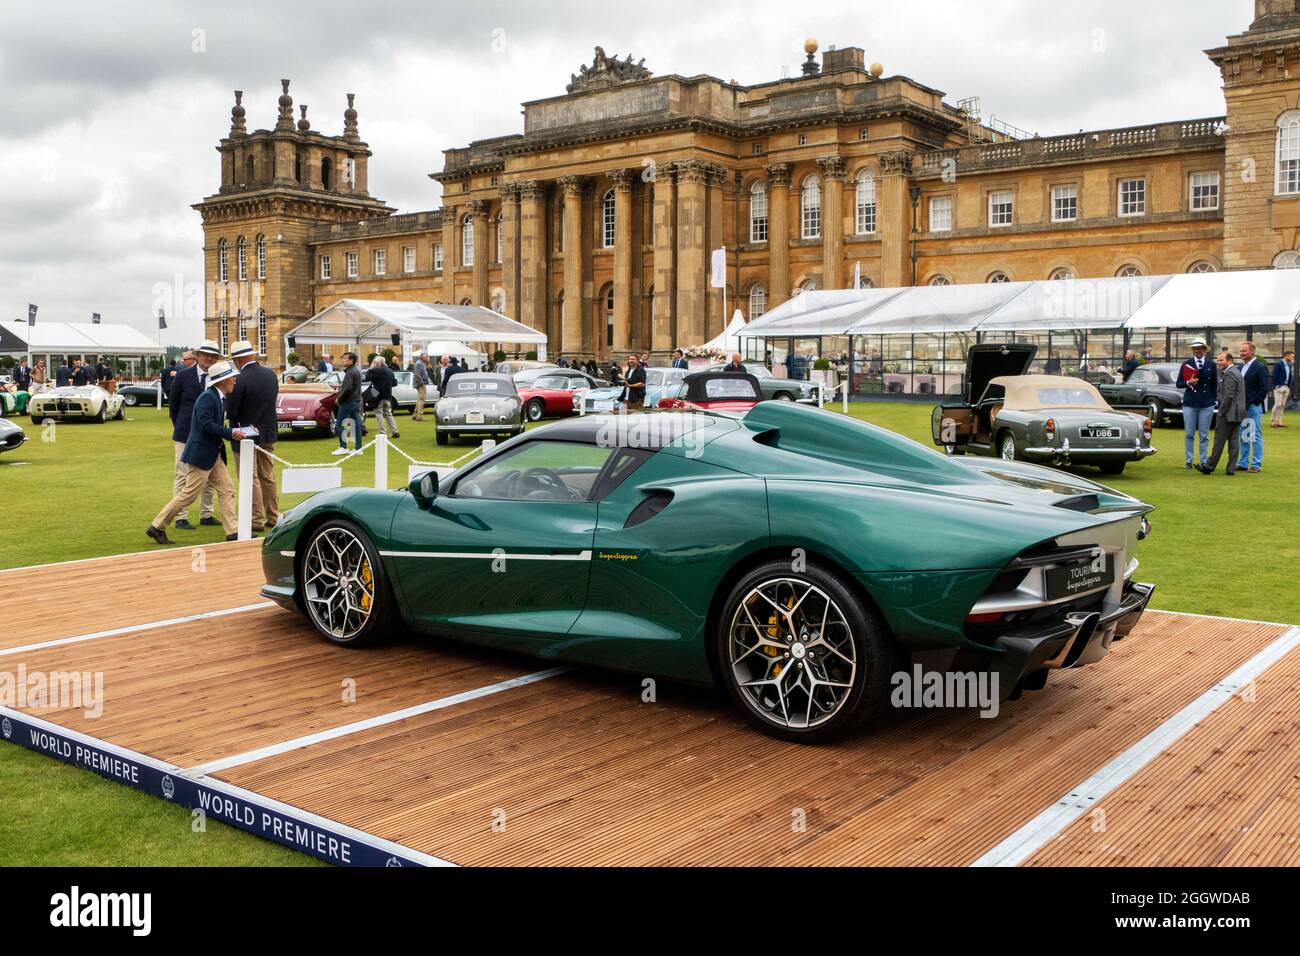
(1046, 826)
(298, 829)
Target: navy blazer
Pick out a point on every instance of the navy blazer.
(208, 431)
(62, 376)
(1283, 375)
(681, 363)
(253, 402)
(1258, 383)
(185, 391)
(1206, 392)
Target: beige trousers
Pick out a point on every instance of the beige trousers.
(384, 416)
(178, 481)
(196, 481)
(1281, 395)
(266, 492)
(419, 403)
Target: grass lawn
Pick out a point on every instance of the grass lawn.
(88, 490)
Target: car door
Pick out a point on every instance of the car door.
(504, 555)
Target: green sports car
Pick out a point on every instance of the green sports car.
(13, 403)
(800, 559)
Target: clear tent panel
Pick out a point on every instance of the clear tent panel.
(952, 308)
(1074, 304)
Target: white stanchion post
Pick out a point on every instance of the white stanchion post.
(245, 507)
(489, 444)
(381, 461)
(160, 386)
(844, 390)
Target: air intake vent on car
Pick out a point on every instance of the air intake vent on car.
(655, 502)
(1080, 503)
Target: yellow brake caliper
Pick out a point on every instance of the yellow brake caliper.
(774, 632)
(366, 578)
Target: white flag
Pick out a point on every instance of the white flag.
(857, 275)
(719, 277)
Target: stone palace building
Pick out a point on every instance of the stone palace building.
(595, 223)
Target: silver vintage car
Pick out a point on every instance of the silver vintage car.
(479, 403)
(1050, 419)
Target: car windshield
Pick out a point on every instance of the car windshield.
(729, 388)
(551, 381)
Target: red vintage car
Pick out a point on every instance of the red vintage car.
(305, 406)
(551, 395)
(736, 392)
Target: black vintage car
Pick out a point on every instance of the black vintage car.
(1152, 389)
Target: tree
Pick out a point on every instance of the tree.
(293, 358)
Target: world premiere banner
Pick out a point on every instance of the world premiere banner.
(232, 805)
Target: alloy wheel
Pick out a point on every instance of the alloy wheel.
(338, 583)
(791, 653)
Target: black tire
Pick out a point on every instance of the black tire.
(383, 617)
(131, 399)
(440, 436)
(1007, 449)
(121, 413)
(101, 415)
(952, 451)
(535, 410)
(1113, 467)
(874, 655)
(783, 397)
(1156, 412)
(37, 420)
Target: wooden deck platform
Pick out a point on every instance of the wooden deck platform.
(471, 757)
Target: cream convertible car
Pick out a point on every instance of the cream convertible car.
(89, 402)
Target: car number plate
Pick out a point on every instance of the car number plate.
(473, 418)
(1079, 577)
(604, 405)
(1098, 432)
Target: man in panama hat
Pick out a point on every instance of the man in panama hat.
(185, 389)
(253, 403)
(204, 456)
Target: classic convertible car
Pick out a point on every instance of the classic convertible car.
(716, 391)
(76, 401)
(778, 389)
(479, 403)
(1054, 419)
(796, 558)
(11, 436)
(555, 394)
(147, 395)
(13, 401)
(299, 407)
(1151, 388)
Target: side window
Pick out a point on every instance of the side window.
(624, 463)
(537, 471)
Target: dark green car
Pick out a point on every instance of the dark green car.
(797, 558)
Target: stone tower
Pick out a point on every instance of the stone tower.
(1261, 84)
(277, 185)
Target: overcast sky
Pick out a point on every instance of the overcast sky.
(112, 110)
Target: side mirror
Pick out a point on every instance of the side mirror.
(424, 488)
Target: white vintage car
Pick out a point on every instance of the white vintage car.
(73, 401)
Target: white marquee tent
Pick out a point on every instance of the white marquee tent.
(72, 338)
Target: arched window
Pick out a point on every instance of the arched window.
(808, 285)
(607, 220)
(1287, 260)
(864, 282)
(865, 219)
(326, 172)
(261, 332)
(1288, 153)
(758, 212)
(757, 301)
(241, 258)
(242, 326)
(223, 262)
(940, 280)
(998, 276)
(250, 171)
(261, 256)
(467, 240)
(609, 317)
(501, 237)
(1128, 271)
(1201, 266)
(466, 301)
(810, 202)
(1061, 274)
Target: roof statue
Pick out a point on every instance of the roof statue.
(606, 71)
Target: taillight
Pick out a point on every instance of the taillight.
(1051, 429)
(984, 618)
(1146, 427)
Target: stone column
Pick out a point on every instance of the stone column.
(894, 215)
(832, 169)
(450, 254)
(778, 234)
(532, 255)
(510, 248)
(478, 208)
(623, 244)
(692, 252)
(663, 331)
(572, 324)
(716, 320)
